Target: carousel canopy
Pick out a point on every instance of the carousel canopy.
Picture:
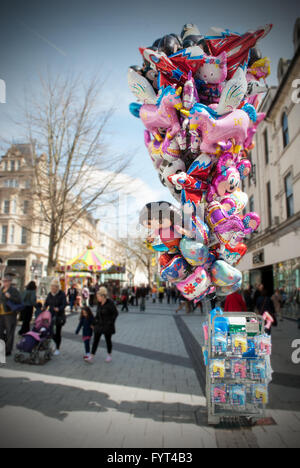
(88, 261)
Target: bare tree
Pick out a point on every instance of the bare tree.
(66, 123)
(139, 256)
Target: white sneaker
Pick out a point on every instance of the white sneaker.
(108, 359)
(56, 353)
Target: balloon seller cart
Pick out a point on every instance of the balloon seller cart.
(237, 357)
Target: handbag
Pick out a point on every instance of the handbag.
(60, 321)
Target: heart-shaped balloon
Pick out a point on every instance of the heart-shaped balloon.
(195, 253)
(226, 290)
(176, 269)
(233, 255)
(195, 285)
(223, 274)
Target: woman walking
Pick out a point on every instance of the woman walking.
(104, 323)
(29, 301)
(56, 302)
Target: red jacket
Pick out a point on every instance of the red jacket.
(235, 303)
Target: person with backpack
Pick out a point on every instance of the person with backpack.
(29, 301)
(10, 299)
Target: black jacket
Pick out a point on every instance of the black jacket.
(15, 297)
(58, 301)
(106, 317)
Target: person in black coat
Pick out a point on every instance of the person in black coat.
(8, 318)
(56, 302)
(265, 304)
(72, 296)
(104, 323)
(29, 300)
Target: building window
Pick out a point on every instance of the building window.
(251, 204)
(28, 184)
(266, 146)
(24, 236)
(4, 235)
(6, 207)
(12, 166)
(285, 130)
(11, 183)
(269, 201)
(19, 164)
(6, 166)
(14, 206)
(289, 195)
(25, 207)
(12, 234)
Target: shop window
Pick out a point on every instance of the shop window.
(266, 146)
(4, 234)
(285, 130)
(269, 203)
(289, 195)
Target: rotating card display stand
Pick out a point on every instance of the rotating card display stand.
(237, 366)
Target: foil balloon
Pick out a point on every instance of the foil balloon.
(230, 229)
(200, 230)
(195, 253)
(141, 87)
(226, 290)
(228, 176)
(236, 45)
(223, 274)
(234, 255)
(235, 203)
(214, 129)
(233, 92)
(173, 268)
(192, 190)
(163, 115)
(209, 77)
(166, 170)
(195, 286)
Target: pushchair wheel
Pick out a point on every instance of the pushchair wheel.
(20, 358)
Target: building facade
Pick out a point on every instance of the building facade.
(273, 256)
(24, 251)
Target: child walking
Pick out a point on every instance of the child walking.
(86, 322)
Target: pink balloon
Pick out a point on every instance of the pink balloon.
(195, 285)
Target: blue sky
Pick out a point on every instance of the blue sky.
(92, 36)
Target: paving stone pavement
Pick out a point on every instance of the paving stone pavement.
(150, 395)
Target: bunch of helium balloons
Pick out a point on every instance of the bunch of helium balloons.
(198, 99)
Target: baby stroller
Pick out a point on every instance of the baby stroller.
(35, 346)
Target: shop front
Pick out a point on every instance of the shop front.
(275, 265)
